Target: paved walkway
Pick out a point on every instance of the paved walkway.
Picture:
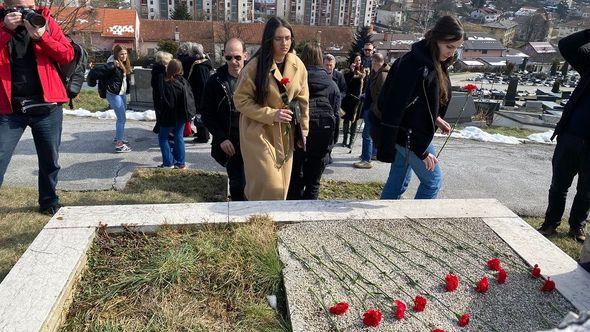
(516, 175)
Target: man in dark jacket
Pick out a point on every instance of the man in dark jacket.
(222, 119)
(338, 78)
(31, 92)
(198, 75)
(572, 153)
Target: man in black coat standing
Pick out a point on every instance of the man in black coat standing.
(572, 153)
(198, 75)
(222, 119)
(338, 78)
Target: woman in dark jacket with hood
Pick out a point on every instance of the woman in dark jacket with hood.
(324, 103)
(413, 103)
(178, 106)
(157, 83)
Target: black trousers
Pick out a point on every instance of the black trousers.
(305, 176)
(237, 177)
(571, 157)
(337, 129)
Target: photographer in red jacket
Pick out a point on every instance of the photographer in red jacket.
(31, 90)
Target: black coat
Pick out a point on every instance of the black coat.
(321, 86)
(324, 104)
(112, 77)
(409, 102)
(199, 73)
(576, 51)
(178, 103)
(157, 83)
(219, 113)
(340, 82)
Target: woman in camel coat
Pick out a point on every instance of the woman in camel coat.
(267, 136)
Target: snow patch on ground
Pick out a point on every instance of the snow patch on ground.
(148, 115)
(542, 137)
(477, 134)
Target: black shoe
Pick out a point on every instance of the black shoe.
(50, 211)
(548, 230)
(578, 234)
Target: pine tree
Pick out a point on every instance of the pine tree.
(361, 37)
(181, 12)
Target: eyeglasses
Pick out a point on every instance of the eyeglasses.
(229, 57)
(368, 49)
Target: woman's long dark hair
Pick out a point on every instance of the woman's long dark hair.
(447, 29)
(265, 56)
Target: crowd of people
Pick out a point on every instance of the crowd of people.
(274, 117)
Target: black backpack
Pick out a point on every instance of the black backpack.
(72, 74)
(322, 124)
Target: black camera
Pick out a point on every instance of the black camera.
(37, 20)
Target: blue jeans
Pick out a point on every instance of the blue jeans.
(367, 151)
(400, 174)
(119, 105)
(46, 130)
(173, 156)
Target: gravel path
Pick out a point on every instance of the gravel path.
(371, 263)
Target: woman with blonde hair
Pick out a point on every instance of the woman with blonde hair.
(270, 88)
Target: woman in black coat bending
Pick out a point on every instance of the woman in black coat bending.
(157, 82)
(178, 106)
(414, 101)
(351, 103)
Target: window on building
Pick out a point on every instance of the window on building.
(484, 52)
(207, 11)
(151, 10)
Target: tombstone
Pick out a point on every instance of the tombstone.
(556, 86)
(455, 105)
(141, 92)
(510, 99)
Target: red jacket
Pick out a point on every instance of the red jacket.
(53, 47)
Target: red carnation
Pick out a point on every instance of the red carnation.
(548, 286)
(494, 264)
(438, 330)
(482, 285)
(400, 310)
(339, 308)
(419, 303)
(470, 87)
(372, 317)
(501, 278)
(463, 320)
(452, 282)
(536, 271)
(285, 81)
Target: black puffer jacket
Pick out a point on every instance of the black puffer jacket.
(219, 113)
(178, 103)
(199, 73)
(321, 85)
(409, 103)
(113, 79)
(324, 103)
(157, 83)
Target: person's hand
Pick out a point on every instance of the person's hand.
(119, 64)
(34, 33)
(283, 115)
(444, 126)
(430, 162)
(228, 148)
(13, 20)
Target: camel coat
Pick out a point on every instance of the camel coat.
(267, 147)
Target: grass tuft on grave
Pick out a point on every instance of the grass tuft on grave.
(210, 278)
(90, 101)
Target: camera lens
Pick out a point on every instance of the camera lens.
(36, 20)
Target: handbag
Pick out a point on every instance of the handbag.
(350, 104)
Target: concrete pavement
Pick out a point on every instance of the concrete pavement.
(516, 175)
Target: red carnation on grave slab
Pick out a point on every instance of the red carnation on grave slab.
(285, 81)
(548, 286)
(400, 310)
(339, 308)
(536, 271)
(372, 317)
(482, 285)
(470, 87)
(463, 320)
(494, 264)
(419, 303)
(501, 278)
(438, 330)
(452, 282)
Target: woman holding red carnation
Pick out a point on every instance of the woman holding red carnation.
(414, 100)
(267, 134)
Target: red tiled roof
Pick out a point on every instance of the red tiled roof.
(109, 22)
(193, 31)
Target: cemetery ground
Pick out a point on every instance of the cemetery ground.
(208, 277)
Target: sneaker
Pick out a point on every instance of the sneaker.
(50, 211)
(578, 234)
(181, 167)
(164, 166)
(363, 164)
(124, 141)
(374, 157)
(548, 231)
(122, 149)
